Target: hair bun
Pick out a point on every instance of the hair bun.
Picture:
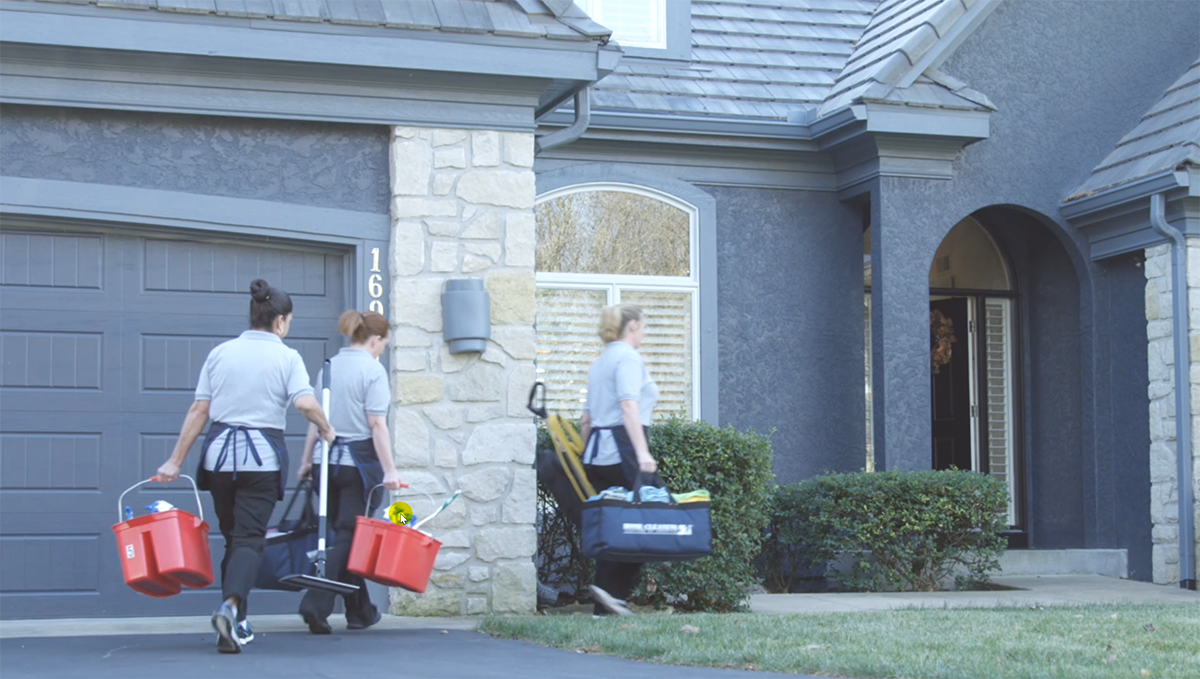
(260, 290)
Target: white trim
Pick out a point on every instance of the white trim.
(972, 376)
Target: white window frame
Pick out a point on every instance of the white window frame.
(595, 9)
(615, 283)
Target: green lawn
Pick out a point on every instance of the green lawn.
(1091, 642)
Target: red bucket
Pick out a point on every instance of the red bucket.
(164, 552)
(392, 555)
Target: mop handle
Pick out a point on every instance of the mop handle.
(152, 479)
(328, 448)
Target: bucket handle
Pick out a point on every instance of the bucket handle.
(367, 511)
(417, 525)
(121, 500)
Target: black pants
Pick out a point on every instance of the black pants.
(243, 507)
(618, 579)
(346, 504)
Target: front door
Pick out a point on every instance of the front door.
(951, 366)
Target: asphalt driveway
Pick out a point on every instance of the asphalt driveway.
(412, 654)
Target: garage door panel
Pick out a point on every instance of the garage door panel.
(41, 564)
(214, 279)
(59, 361)
(72, 269)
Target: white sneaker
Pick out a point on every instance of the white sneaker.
(608, 602)
(244, 633)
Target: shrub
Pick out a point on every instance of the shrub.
(782, 559)
(903, 530)
(736, 468)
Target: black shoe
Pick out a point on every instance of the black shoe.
(316, 624)
(224, 621)
(359, 623)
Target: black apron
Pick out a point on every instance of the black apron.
(367, 461)
(629, 463)
(273, 436)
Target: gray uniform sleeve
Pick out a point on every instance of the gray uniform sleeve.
(204, 384)
(297, 380)
(629, 374)
(378, 396)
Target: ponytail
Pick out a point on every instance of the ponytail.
(361, 326)
(615, 319)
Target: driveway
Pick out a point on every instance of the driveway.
(410, 653)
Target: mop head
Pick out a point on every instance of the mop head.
(314, 582)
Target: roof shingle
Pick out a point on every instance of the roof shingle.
(1167, 138)
(757, 59)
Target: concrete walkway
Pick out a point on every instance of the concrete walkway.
(1045, 590)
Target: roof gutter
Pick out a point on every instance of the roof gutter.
(1183, 400)
(583, 116)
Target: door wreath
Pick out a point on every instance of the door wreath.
(941, 330)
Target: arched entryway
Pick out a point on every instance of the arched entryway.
(1006, 350)
(972, 325)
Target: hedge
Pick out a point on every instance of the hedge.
(902, 530)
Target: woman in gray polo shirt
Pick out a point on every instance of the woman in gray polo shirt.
(245, 387)
(620, 401)
(359, 397)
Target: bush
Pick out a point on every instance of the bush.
(781, 560)
(736, 468)
(903, 530)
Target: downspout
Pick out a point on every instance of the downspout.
(1183, 396)
(583, 116)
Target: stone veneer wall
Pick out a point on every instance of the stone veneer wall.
(462, 206)
(1164, 495)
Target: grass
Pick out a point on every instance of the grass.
(1089, 642)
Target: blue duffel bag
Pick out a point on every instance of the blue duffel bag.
(289, 543)
(642, 532)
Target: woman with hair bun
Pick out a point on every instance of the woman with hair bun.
(245, 387)
(359, 397)
(620, 401)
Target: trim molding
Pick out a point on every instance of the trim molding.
(46, 199)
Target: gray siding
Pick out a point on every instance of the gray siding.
(317, 164)
(791, 329)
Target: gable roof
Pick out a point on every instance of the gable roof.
(761, 59)
(519, 18)
(1167, 138)
(895, 60)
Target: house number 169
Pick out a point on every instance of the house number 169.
(375, 283)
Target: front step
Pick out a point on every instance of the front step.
(1113, 563)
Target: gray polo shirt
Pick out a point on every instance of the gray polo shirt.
(618, 375)
(250, 381)
(358, 387)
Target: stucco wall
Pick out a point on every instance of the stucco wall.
(318, 164)
(791, 332)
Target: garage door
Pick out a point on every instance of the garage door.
(102, 335)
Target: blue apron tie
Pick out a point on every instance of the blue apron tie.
(231, 443)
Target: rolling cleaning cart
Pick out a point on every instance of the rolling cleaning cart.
(164, 552)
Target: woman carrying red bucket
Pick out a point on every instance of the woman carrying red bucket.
(245, 387)
(361, 459)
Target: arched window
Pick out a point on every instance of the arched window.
(600, 244)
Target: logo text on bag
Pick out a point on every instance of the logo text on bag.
(657, 528)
